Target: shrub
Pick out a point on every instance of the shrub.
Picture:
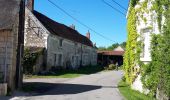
(123, 79)
(112, 67)
(29, 60)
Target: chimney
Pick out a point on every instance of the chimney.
(30, 4)
(73, 26)
(94, 45)
(88, 35)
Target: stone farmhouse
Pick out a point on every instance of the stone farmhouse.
(64, 47)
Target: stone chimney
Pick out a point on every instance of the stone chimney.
(88, 35)
(94, 45)
(30, 4)
(73, 26)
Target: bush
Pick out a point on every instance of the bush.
(29, 60)
(123, 79)
(112, 67)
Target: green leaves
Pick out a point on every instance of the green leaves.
(157, 73)
(132, 51)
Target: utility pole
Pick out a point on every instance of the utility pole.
(20, 50)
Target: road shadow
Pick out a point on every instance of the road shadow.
(39, 88)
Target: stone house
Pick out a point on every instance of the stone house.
(10, 44)
(64, 46)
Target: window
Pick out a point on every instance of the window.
(75, 61)
(60, 59)
(145, 30)
(142, 38)
(61, 42)
(85, 59)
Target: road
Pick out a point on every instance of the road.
(99, 86)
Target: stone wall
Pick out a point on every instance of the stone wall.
(161, 96)
(9, 25)
(35, 37)
(8, 47)
(35, 33)
(3, 89)
(72, 53)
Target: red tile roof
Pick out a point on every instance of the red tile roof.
(111, 53)
(62, 30)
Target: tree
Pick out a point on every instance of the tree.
(123, 45)
(113, 46)
(101, 48)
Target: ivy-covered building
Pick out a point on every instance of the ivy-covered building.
(147, 51)
(62, 46)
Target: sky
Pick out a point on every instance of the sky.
(93, 13)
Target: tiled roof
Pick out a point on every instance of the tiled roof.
(62, 30)
(111, 53)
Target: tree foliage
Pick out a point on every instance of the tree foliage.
(113, 46)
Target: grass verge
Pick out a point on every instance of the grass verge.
(130, 94)
(69, 73)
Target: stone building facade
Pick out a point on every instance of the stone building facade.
(9, 36)
(64, 46)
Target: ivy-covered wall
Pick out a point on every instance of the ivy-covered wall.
(131, 46)
(156, 74)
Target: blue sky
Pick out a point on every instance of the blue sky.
(93, 13)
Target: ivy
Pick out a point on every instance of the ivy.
(133, 47)
(130, 54)
(157, 73)
(133, 3)
(30, 59)
(150, 72)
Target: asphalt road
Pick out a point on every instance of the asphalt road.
(99, 86)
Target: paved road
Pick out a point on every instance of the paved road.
(100, 86)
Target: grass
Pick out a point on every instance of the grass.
(130, 94)
(69, 73)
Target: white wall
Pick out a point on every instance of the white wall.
(147, 29)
